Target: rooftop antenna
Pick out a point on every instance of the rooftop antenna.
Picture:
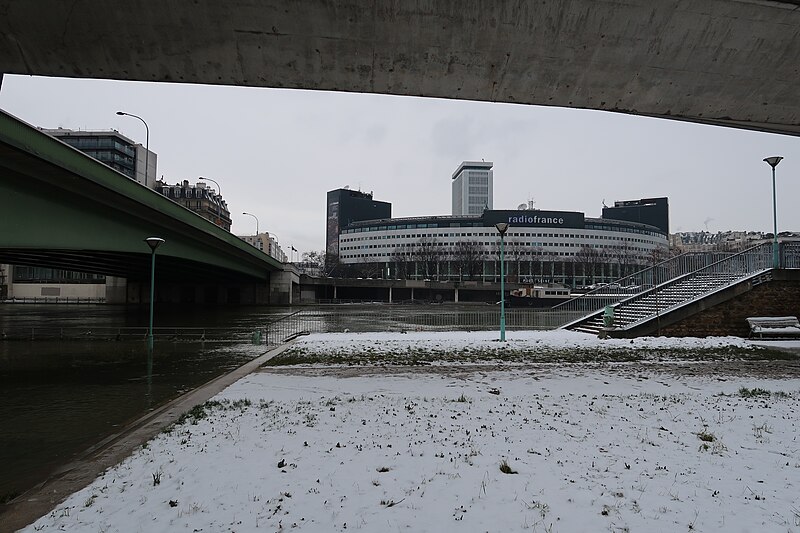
(604, 203)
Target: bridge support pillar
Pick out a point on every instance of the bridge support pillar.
(280, 287)
(455, 297)
(116, 290)
(390, 295)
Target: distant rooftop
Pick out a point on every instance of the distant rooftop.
(472, 165)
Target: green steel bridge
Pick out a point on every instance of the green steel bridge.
(64, 209)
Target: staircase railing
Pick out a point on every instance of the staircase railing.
(636, 283)
(742, 264)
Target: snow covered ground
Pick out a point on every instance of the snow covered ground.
(634, 445)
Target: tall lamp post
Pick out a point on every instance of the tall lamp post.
(153, 243)
(773, 162)
(502, 227)
(255, 217)
(203, 178)
(146, 143)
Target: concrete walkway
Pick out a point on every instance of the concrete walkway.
(76, 475)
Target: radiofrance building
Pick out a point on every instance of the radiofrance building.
(540, 246)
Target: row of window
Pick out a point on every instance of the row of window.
(490, 255)
(195, 192)
(85, 143)
(476, 234)
(589, 227)
(509, 248)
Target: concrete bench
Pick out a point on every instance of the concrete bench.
(774, 327)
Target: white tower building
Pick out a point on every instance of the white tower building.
(472, 187)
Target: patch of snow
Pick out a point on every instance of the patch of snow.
(611, 449)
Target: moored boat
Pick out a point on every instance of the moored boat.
(539, 295)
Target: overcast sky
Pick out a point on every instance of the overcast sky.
(275, 152)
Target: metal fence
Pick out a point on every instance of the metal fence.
(108, 333)
(427, 318)
(790, 254)
(54, 300)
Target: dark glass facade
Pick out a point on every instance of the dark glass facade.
(651, 211)
(109, 149)
(345, 207)
(30, 274)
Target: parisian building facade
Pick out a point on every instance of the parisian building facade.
(266, 243)
(203, 200)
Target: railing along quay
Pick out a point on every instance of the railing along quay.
(433, 318)
(110, 333)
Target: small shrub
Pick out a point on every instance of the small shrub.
(505, 468)
(744, 392)
(383, 469)
(462, 398)
(706, 436)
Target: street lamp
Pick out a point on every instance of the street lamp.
(219, 215)
(146, 142)
(153, 243)
(502, 227)
(773, 162)
(255, 217)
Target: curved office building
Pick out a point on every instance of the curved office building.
(539, 246)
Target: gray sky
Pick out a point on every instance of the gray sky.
(275, 152)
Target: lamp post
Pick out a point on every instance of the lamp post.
(146, 143)
(773, 162)
(502, 227)
(255, 217)
(219, 216)
(153, 243)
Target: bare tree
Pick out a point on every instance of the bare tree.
(514, 252)
(467, 259)
(427, 254)
(589, 259)
(627, 259)
(401, 263)
(367, 268)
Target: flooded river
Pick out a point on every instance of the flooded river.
(58, 397)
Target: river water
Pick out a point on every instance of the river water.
(71, 375)
(58, 397)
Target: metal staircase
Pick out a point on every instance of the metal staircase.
(680, 290)
(637, 310)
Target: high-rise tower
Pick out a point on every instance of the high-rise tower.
(472, 187)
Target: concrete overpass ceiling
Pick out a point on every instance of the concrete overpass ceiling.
(722, 62)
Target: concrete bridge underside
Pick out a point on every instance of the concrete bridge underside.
(725, 62)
